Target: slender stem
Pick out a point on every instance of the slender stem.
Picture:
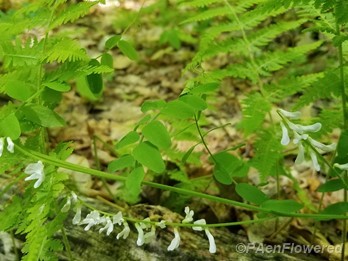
(66, 244)
(59, 163)
(343, 88)
(344, 229)
(97, 163)
(206, 146)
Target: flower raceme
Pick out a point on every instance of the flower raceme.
(301, 138)
(146, 229)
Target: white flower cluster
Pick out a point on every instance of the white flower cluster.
(300, 133)
(10, 145)
(189, 218)
(146, 229)
(36, 171)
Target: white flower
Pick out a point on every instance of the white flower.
(176, 240)
(36, 171)
(1, 146)
(303, 128)
(285, 135)
(118, 218)
(290, 115)
(300, 156)
(77, 217)
(321, 146)
(315, 161)
(67, 205)
(73, 196)
(199, 222)
(161, 224)
(299, 137)
(212, 245)
(151, 235)
(109, 227)
(140, 240)
(10, 145)
(341, 166)
(92, 219)
(189, 215)
(125, 232)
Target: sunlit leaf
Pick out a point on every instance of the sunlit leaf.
(157, 134)
(251, 193)
(148, 155)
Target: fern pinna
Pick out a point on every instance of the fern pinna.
(248, 32)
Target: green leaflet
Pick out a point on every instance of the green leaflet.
(152, 105)
(331, 185)
(130, 138)
(133, 185)
(18, 89)
(9, 127)
(251, 193)
(42, 116)
(128, 50)
(149, 156)
(336, 209)
(107, 60)
(157, 134)
(285, 206)
(125, 161)
(178, 109)
(227, 167)
(112, 41)
(197, 103)
(95, 80)
(58, 86)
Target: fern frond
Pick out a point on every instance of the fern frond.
(326, 87)
(268, 154)
(332, 118)
(290, 85)
(72, 13)
(208, 14)
(276, 60)
(18, 55)
(66, 50)
(258, 39)
(254, 108)
(248, 21)
(199, 3)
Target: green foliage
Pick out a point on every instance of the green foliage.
(251, 193)
(284, 206)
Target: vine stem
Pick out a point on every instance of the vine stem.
(97, 173)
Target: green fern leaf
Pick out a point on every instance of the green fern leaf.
(199, 3)
(331, 119)
(276, 60)
(66, 50)
(325, 87)
(290, 85)
(255, 108)
(268, 154)
(72, 13)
